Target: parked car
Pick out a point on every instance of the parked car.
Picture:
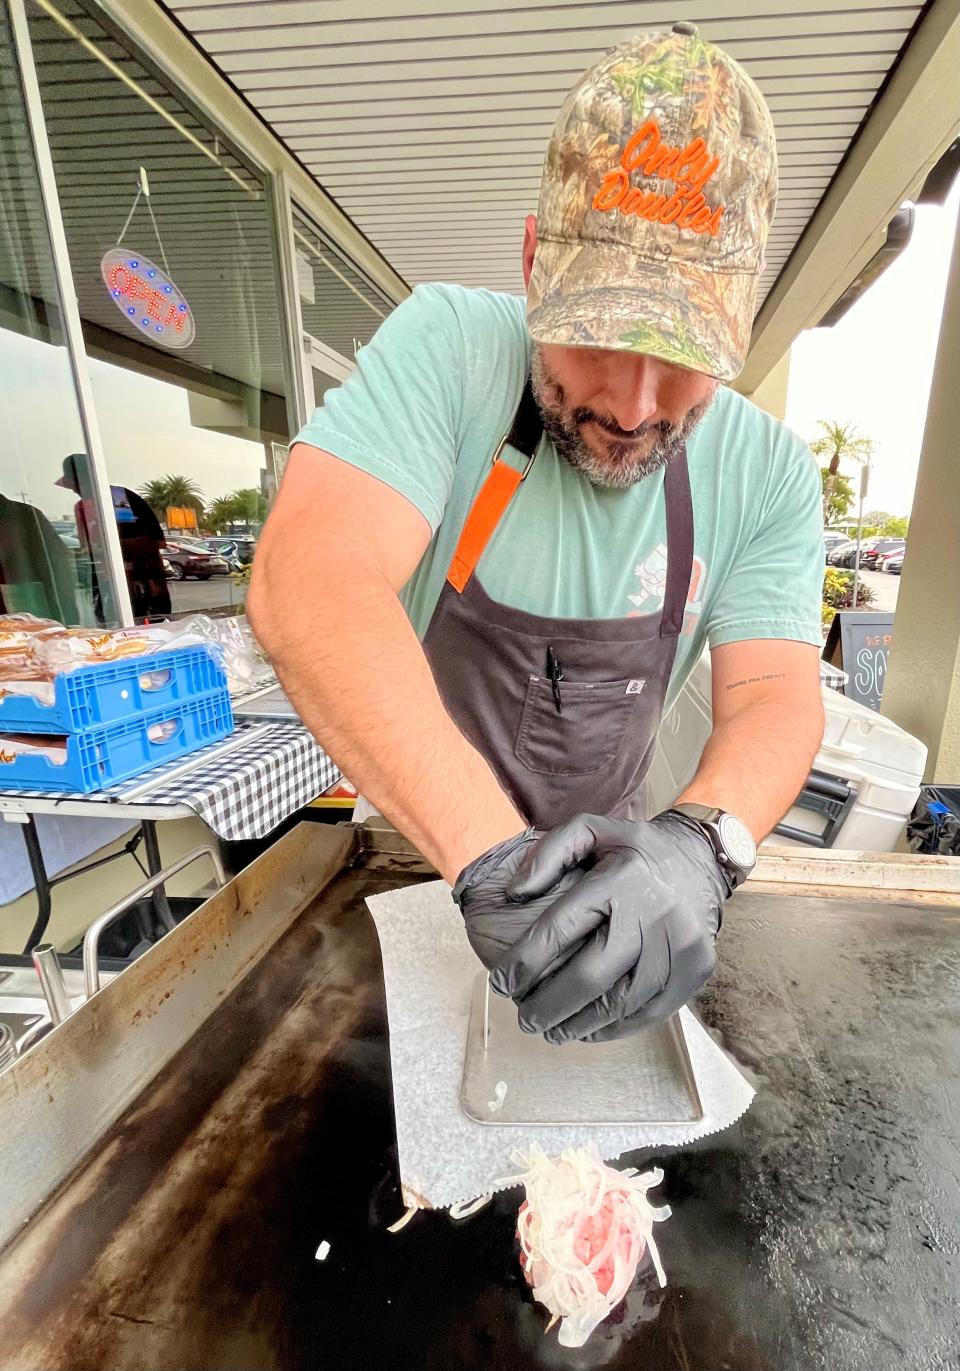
(838, 555)
(225, 548)
(846, 554)
(246, 547)
(831, 541)
(237, 550)
(893, 562)
(188, 558)
(876, 547)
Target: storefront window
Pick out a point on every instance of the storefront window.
(340, 309)
(170, 242)
(52, 560)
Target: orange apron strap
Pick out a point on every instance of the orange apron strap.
(485, 513)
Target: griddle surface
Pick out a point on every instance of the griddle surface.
(822, 1231)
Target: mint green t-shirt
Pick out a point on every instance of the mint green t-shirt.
(432, 396)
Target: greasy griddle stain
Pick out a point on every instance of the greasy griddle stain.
(852, 1176)
(196, 1177)
(820, 1233)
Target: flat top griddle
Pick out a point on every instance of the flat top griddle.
(822, 1231)
(267, 703)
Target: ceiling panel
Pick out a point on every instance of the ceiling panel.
(395, 106)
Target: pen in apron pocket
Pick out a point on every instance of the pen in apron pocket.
(555, 672)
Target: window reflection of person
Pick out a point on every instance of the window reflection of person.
(141, 539)
(36, 567)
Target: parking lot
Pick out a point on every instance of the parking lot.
(195, 596)
(885, 589)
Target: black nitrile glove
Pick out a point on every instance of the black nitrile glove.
(493, 920)
(635, 934)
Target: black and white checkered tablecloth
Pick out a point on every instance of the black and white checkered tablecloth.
(254, 787)
(243, 793)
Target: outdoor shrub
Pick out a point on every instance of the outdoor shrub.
(838, 594)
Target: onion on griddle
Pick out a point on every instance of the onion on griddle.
(583, 1229)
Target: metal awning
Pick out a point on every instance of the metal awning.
(427, 122)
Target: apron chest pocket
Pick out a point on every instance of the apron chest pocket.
(587, 735)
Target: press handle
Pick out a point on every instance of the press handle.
(50, 973)
(91, 939)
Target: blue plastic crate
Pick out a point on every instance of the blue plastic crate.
(108, 692)
(100, 757)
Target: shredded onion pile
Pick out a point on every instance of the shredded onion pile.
(583, 1230)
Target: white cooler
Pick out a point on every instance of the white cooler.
(863, 786)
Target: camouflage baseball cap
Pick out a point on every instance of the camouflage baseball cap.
(658, 190)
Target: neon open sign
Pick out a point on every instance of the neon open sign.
(147, 298)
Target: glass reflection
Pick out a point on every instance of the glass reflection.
(45, 568)
(166, 226)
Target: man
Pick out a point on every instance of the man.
(141, 541)
(36, 568)
(535, 567)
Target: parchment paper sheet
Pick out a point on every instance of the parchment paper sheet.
(446, 1158)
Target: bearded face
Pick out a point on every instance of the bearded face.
(588, 396)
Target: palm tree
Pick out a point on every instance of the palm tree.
(246, 506)
(841, 496)
(838, 441)
(179, 492)
(155, 494)
(250, 506)
(221, 514)
(184, 493)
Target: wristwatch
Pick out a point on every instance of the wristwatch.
(732, 841)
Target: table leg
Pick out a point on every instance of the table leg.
(151, 849)
(41, 883)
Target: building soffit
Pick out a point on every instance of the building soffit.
(855, 140)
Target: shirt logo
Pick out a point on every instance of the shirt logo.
(689, 168)
(651, 574)
(634, 687)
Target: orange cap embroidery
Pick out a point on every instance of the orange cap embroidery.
(689, 168)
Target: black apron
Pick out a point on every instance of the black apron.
(566, 711)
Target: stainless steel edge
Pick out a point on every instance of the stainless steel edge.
(61, 1097)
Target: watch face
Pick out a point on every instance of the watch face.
(737, 841)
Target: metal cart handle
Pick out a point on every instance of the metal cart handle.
(91, 939)
(831, 796)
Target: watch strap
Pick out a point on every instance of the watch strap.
(707, 818)
(705, 814)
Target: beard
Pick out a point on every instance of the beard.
(625, 460)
